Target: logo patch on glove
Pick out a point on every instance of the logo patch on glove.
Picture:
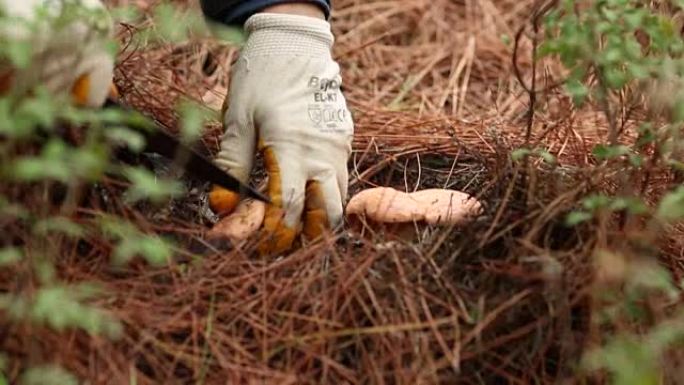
(326, 113)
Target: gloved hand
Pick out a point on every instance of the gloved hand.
(285, 101)
(68, 49)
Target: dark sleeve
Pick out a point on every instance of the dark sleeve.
(236, 12)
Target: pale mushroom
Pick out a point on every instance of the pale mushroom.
(447, 207)
(432, 206)
(243, 222)
(387, 205)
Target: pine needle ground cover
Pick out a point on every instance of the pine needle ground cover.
(565, 278)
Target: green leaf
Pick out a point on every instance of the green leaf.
(41, 109)
(634, 18)
(577, 91)
(671, 207)
(10, 256)
(131, 242)
(193, 117)
(19, 53)
(577, 217)
(132, 139)
(47, 375)
(60, 308)
(633, 205)
(678, 110)
(520, 153)
(602, 151)
(675, 164)
(153, 249)
(636, 160)
(60, 225)
(646, 136)
(88, 163)
(125, 13)
(628, 360)
(546, 156)
(146, 185)
(595, 202)
(637, 71)
(651, 276)
(615, 78)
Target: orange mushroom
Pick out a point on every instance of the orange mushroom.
(432, 206)
(240, 224)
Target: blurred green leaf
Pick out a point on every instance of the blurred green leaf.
(651, 276)
(130, 138)
(12, 209)
(603, 151)
(678, 110)
(131, 242)
(671, 206)
(39, 110)
(615, 77)
(633, 205)
(125, 13)
(546, 156)
(636, 160)
(193, 117)
(646, 135)
(60, 225)
(60, 307)
(19, 53)
(675, 164)
(577, 217)
(154, 249)
(596, 201)
(47, 375)
(577, 91)
(628, 360)
(146, 185)
(520, 153)
(61, 162)
(227, 34)
(10, 255)
(44, 270)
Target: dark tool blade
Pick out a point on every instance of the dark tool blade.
(196, 165)
(159, 141)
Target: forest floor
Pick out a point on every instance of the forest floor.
(437, 103)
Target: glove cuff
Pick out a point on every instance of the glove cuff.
(283, 34)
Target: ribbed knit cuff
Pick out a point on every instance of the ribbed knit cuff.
(283, 34)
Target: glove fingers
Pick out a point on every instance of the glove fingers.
(343, 180)
(286, 191)
(323, 207)
(236, 156)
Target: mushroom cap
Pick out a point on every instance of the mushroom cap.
(243, 222)
(385, 204)
(433, 206)
(447, 206)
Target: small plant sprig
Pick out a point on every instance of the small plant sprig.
(36, 159)
(620, 56)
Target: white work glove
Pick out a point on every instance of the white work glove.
(68, 50)
(285, 101)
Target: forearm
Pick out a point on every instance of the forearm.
(235, 12)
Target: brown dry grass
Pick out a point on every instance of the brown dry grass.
(436, 104)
